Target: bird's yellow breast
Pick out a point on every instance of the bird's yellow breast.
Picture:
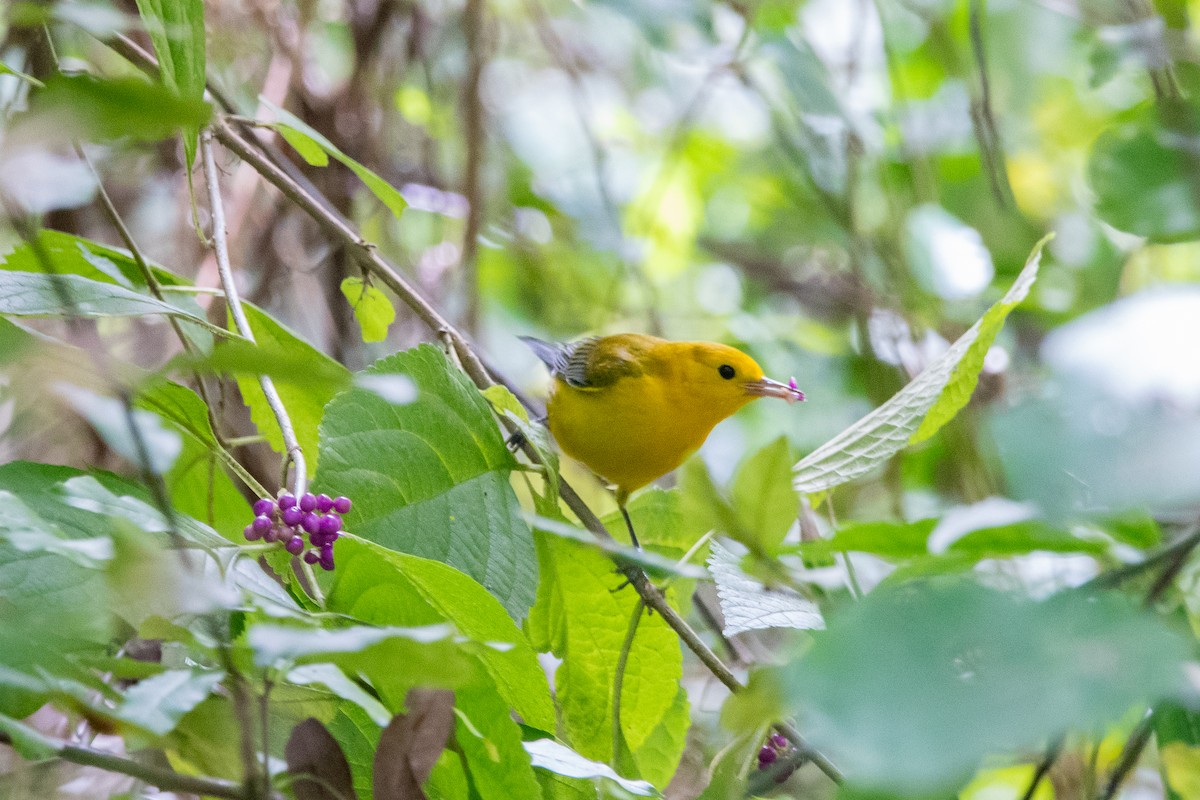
(632, 432)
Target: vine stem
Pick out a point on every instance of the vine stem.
(295, 455)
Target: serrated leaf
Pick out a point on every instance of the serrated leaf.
(658, 758)
(384, 587)
(26, 294)
(304, 400)
(549, 755)
(595, 619)
(383, 190)
(748, 605)
(359, 739)
(371, 307)
(431, 477)
(939, 391)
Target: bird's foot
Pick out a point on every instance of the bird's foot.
(516, 441)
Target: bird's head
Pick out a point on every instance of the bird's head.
(724, 379)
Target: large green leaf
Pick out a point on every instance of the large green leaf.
(763, 497)
(430, 477)
(587, 618)
(305, 401)
(176, 28)
(918, 410)
(912, 687)
(384, 587)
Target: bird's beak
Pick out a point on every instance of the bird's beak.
(765, 387)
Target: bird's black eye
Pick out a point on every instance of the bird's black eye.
(726, 372)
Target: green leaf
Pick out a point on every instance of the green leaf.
(372, 308)
(309, 150)
(431, 477)
(158, 703)
(384, 587)
(304, 401)
(763, 496)
(490, 742)
(29, 743)
(747, 604)
(5, 69)
(176, 28)
(334, 679)
(912, 687)
(25, 294)
(659, 520)
(658, 758)
(939, 391)
(105, 109)
(275, 643)
(298, 131)
(359, 738)
(595, 618)
(887, 539)
(1144, 176)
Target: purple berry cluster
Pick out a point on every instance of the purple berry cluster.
(288, 519)
(775, 746)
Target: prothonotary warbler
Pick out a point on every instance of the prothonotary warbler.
(633, 407)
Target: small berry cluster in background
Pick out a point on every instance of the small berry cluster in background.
(288, 519)
(775, 746)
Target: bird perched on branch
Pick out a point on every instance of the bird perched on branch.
(633, 407)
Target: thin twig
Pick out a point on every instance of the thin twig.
(294, 453)
(166, 780)
(473, 23)
(1130, 754)
(1043, 767)
(992, 151)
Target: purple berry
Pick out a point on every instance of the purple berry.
(287, 501)
(311, 557)
(264, 507)
(308, 502)
(779, 742)
(292, 516)
(341, 505)
(294, 545)
(261, 524)
(317, 539)
(251, 534)
(330, 525)
(327, 558)
(311, 522)
(766, 756)
(324, 503)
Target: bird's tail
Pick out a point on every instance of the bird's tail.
(549, 353)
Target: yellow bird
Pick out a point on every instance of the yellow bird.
(633, 407)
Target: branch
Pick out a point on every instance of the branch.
(1129, 756)
(295, 455)
(473, 121)
(166, 780)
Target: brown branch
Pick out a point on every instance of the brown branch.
(473, 23)
(166, 780)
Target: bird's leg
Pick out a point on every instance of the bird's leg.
(629, 524)
(516, 441)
